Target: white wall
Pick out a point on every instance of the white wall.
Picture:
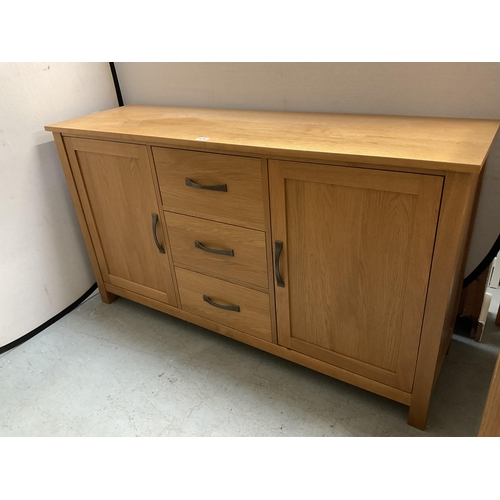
(43, 263)
(463, 90)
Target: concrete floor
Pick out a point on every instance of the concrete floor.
(127, 370)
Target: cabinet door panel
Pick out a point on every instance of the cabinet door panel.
(116, 188)
(357, 247)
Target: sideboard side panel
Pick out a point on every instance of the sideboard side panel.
(456, 207)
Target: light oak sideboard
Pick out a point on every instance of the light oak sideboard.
(334, 241)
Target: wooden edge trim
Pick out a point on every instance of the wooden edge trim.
(267, 151)
(269, 248)
(282, 352)
(324, 159)
(229, 279)
(171, 281)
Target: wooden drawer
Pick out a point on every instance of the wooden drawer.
(193, 240)
(240, 204)
(253, 316)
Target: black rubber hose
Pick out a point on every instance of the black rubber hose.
(117, 84)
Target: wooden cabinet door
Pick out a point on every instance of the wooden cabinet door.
(115, 185)
(355, 263)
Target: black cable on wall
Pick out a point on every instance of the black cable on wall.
(77, 302)
(481, 267)
(117, 83)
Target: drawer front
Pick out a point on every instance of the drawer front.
(236, 194)
(201, 295)
(193, 242)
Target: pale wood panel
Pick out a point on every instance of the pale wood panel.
(354, 177)
(119, 201)
(253, 317)
(241, 205)
(296, 357)
(443, 143)
(137, 288)
(107, 297)
(248, 264)
(445, 281)
(269, 249)
(352, 296)
(490, 423)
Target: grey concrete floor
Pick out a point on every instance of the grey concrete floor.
(127, 370)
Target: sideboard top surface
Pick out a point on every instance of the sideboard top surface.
(421, 142)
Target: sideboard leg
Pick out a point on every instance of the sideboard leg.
(417, 417)
(107, 297)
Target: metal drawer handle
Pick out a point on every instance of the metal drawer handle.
(206, 298)
(230, 253)
(216, 187)
(154, 223)
(278, 247)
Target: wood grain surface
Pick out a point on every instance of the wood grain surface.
(247, 265)
(254, 316)
(442, 143)
(356, 264)
(116, 189)
(242, 204)
(106, 296)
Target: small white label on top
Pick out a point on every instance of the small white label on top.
(203, 139)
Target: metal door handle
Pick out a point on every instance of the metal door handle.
(206, 298)
(230, 253)
(154, 224)
(216, 187)
(278, 247)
